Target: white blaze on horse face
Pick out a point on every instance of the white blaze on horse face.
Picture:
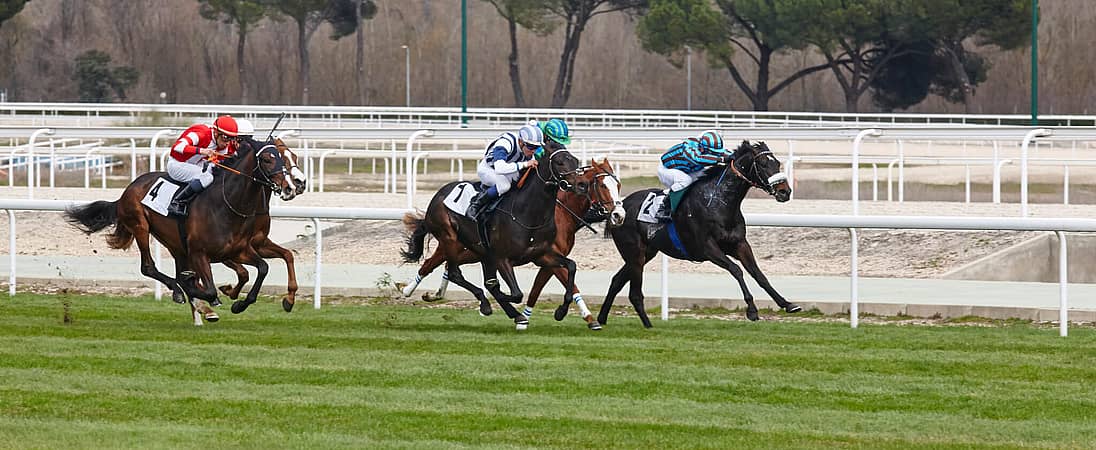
(617, 216)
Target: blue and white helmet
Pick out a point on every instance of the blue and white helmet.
(532, 135)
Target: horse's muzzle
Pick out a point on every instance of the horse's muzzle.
(616, 218)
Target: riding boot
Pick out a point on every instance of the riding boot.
(182, 198)
(476, 206)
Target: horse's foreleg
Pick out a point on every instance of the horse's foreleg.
(561, 275)
(199, 263)
(250, 257)
(268, 249)
(568, 287)
(242, 276)
(744, 253)
(723, 261)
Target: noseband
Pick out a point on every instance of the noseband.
(753, 172)
(557, 178)
(603, 205)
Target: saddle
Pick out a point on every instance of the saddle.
(461, 197)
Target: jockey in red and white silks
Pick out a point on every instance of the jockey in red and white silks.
(189, 155)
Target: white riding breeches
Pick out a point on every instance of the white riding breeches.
(184, 172)
(489, 177)
(676, 180)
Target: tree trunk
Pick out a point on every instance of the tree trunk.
(515, 68)
(240, 64)
(302, 47)
(562, 92)
(761, 98)
(359, 55)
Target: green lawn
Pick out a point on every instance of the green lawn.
(133, 372)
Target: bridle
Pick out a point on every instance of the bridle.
(603, 206)
(267, 180)
(557, 179)
(753, 172)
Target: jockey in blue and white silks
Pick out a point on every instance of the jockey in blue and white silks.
(501, 166)
(683, 163)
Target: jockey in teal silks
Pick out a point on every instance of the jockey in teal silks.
(683, 163)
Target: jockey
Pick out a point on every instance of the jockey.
(683, 163)
(504, 160)
(556, 133)
(190, 152)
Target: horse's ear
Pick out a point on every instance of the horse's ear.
(605, 161)
(745, 143)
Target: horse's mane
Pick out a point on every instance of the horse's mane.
(246, 145)
(715, 171)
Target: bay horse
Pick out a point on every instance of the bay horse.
(709, 226)
(520, 230)
(261, 242)
(597, 191)
(218, 226)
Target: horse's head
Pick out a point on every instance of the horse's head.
(598, 182)
(271, 169)
(563, 170)
(290, 159)
(756, 164)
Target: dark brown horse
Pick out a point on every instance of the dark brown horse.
(596, 188)
(218, 227)
(707, 226)
(262, 243)
(521, 230)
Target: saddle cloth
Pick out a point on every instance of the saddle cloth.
(650, 206)
(158, 198)
(460, 197)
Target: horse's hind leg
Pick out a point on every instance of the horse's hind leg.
(723, 261)
(744, 253)
(456, 276)
(148, 266)
(619, 279)
(507, 272)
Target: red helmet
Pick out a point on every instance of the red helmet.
(227, 125)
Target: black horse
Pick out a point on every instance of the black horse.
(521, 230)
(219, 226)
(709, 226)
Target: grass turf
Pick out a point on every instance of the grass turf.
(133, 372)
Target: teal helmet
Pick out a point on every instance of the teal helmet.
(556, 130)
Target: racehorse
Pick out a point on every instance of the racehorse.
(521, 230)
(262, 243)
(709, 226)
(597, 190)
(218, 227)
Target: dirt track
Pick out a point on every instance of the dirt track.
(798, 251)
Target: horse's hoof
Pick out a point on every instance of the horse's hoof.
(752, 315)
(793, 308)
(485, 310)
(239, 306)
(215, 302)
(594, 325)
(287, 305)
(602, 318)
(212, 316)
(521, 321)
(561, 312)
(522, 326)
(178, 296)
(428, 297)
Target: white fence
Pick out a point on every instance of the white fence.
(339, 116)
(850, 222)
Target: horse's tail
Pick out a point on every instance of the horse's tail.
(95, 216)
(416, 237)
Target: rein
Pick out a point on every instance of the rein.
(267, 183)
